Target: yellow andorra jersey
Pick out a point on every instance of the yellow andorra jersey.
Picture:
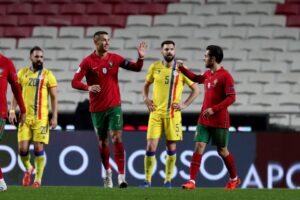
(35, 91)
(168, 84)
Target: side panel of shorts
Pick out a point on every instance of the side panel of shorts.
(35, 130)
(111, 119)
(2, 125)
(173, 127)
(155, 126)
(219, 136)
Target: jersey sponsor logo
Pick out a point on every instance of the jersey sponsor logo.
(215, 82)
(78, 70)
(104, 71)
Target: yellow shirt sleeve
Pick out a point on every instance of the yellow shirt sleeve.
(149, 76)
(52, 80)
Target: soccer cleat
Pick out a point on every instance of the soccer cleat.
(189, 185)
(232, 184)
(27, 177)
(3, 186)
(36, 184)
(168, 185)
(107, 180)
(145, 184)
(122, 182)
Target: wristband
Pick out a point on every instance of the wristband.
(12, 111)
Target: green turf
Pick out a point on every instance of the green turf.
(95, 193)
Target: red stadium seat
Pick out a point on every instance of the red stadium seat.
(72, 9)
(8, 20)
(165, 1)
(20, 9)
(293, 21)
(46, 9)
(112, 20)
(99, 9)
(8, 1)
(17, 32)
(113, 1)
(1, 32)
(287, 9)
(59, 1)
(2, 10)
(126, 9)
(292, 1)
(34, 1)
(139, 1)
(85, 1)
(31, 20)
(59, 20)
(153, 9)
(84, 20)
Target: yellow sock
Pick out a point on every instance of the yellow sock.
(26, 161)
(149, 162)
(39, 163)
(170, 164)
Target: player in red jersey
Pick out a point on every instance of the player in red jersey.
(8, 74)
(213, 122)
(100, 69)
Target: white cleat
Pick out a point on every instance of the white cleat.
(107, 180)
(121, 181)
(3, 186)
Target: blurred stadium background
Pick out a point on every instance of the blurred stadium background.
(260, 38)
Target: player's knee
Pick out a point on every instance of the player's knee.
(23, 152)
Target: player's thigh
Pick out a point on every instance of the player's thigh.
(220, 137)
(100, 123)
(155, 126)
(173, 128)
(115, 119)
(202, 134)
(2, 125)
(40, 131)
(24, 131)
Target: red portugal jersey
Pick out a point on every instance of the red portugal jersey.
(217, 87)
(8, 74)
(103, 71)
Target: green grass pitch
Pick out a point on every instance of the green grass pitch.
(155, 193)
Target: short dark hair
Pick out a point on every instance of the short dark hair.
(100, 33)
(35, 48)
(215, 51)
(167, 42)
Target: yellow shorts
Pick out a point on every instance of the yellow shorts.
(158, 125)
(34, 130)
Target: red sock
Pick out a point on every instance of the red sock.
(195, 165)
(104, 154)
(229, 163)
(1, 174)
(119, 156)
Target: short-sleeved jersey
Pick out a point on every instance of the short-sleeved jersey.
(7, 74)
(168, 84)
(35, 91)
(217, 86)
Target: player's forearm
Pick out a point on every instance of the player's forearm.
(77, 84)
(133, 66)
(146, 90)
(54, 106)
(191, 75)
(17, 98)
(193, 95)
(230, 99)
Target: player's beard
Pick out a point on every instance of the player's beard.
(37, 65)
(169, 58)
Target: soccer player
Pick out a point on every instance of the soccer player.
(8, 74)
(100, 69)
(37, 83)
(213, 122)
(165, 109)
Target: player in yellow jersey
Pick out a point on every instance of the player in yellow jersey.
(37, 84)
(165, 109)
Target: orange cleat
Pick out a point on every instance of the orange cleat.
(232, 184)
(36, 184)
(190, 185)
(27, 177)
